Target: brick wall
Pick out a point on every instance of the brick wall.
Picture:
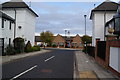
(112, 41)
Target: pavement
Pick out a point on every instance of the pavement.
(88, 68)
(9, 58)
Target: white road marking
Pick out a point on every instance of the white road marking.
(23, 72)
(49, 58)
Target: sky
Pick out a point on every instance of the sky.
(57, 16)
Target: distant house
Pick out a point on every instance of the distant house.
(59, 41)
(24, 19)
(63, 41)
(77, 42)
(69, 42)
(38, 41)
(99, 16)
(6, 30)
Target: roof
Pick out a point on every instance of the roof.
(77, 39)
(107, 24)
(105, 6)
(22, 4)
(3, 15)
(59, 38)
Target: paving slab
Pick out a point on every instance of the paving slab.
(86, 64)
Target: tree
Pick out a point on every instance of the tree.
(47, 37)
(87, 38)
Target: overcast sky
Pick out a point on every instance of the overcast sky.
(58, 16)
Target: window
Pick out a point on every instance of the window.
(10, 25)
(81, 44)
(9, 41)
(2, 23)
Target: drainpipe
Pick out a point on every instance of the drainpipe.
(104, 24)
(15, 24)
(15, 27)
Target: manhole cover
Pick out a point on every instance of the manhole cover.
(88, 74)
(46, 70)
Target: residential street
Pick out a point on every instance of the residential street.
(54, 64)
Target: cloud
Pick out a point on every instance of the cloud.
(60, 16)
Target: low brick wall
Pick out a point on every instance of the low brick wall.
(105, 63)
(111, 43)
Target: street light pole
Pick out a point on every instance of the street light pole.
(85, 44)
(85, 23)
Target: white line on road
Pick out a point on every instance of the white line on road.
(49, 58)
(23, 72)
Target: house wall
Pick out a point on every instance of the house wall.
(30, 25)
(7, 33)
(0, 27)
(99, 19)
(25, 19)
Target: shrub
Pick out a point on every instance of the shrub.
(10, 50)
(28, 47)
(54, 45)
(36, 48)
(19, 45)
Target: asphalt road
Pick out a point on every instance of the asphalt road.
(55, 64)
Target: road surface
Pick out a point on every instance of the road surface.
(55, 64)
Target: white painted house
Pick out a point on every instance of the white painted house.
(6, 30)
(99, 16)
(24, 19)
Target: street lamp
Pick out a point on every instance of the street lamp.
(85, 23)
(85, 44)
(65, 32)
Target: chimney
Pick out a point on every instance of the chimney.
(107, 1)
(16, 1)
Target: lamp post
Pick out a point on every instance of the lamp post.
(85, 34)
(85, 23)
(65, 32)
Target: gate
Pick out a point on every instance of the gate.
(101, 49)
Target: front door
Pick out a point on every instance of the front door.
(67, 44)
(1, 46)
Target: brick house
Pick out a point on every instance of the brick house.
(63, 41)
(68, 42)
(77, 42)
(59, 41)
